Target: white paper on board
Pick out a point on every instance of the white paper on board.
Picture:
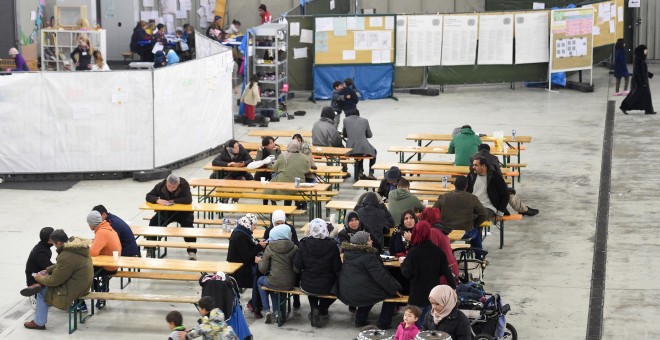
(33, 16)
(389, 23)
(147, 3)
(612, 27)
(538, 5)
(375, 57)
(306, 36)
(619, 15)
(181, 14)
(157, 47)
(299, 53)
(332, 4)
(348, 55)
(294, 29)
(376, 22)
(385, 56)
(596, 30)
(634, 3)
(324, 24)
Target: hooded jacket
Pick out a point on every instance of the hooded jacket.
(319, 263)
(424, 265)
(401, 199)
(464, 144)
(455, 324)
(38, 260)
(498, 193)
(213, 326)
(324, 132)
(105, 242)
(363, 280)
(224, 158)
(181, 195)
(460, 210)
(71, 276)
(374, 219)
(243, 249)
(277, 263)
(287, 171)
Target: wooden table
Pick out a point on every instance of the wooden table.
(221, 208)
(278, 133)
(214, 233)
(126, 262)
(455, 235)
(430, 187)
(310, 193)
(442, 150)
(326, 171)
(450, 170)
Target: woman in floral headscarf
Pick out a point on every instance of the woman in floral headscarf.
(318, 262)
(445, 316)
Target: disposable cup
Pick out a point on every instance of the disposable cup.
(115, 255)
(144, 254)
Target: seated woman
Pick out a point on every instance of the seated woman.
(424, 265)
(375, 218)
(243, 248)
(306, 149)
(400, 242)
(445, 316)
(277, 267)
(317, 259)
(289, 165)
(351, 226)
(233, 154)
(364, 281)
(432, 216)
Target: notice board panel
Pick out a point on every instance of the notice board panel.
(571, 39)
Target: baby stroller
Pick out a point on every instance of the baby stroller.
(470, 269)
(488, 318)
(226, 294)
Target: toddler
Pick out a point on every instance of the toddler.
(408, 328)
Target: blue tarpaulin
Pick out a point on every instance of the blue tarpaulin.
(372, 81)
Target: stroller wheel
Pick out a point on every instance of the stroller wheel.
(510, 332)
(484, 337)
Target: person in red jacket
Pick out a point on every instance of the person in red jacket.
(264, 14)
(106, 241)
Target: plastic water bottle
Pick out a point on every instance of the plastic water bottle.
(444, 181)
(297, 182)
(513, 134)
(226, 224)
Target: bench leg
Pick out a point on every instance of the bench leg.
(501, 234)
(283, 307)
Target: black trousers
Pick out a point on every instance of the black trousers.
(185, 219)
(320, 303)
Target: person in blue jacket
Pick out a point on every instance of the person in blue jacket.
(620, 67)
(128, 245)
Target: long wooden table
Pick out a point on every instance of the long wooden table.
(213, 233)
(220, 208)
(455, 235)
(125, 262)
(322, 172)
(429, 187)
(442, 150)
(278, 133)
(310, 193)
(450, 170)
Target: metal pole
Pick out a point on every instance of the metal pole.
(356, 7)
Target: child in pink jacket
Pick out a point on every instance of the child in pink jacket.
(408, 329)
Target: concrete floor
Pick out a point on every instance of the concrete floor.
(544, 270)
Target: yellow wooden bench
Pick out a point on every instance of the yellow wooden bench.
(9, 63)
(157, 276)
(127, 55)
(186, 245)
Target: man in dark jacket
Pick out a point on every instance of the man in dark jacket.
(392, 177)
(172, 190)
(267, 149)
(38, 260)
(325, 133)
(489, 189)
(375, 219)
(462, 210)
(128, 245)
(233, 154)
(493, 161)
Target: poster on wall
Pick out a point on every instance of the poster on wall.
(424, 40)
(168, 6)
(532, 45)
(401, 39)
(495, 39)
(459, 40)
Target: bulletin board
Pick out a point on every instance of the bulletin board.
(607, 27)
(351, 40)
(571, 39)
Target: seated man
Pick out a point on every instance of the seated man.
(65, 281)
(38, 260)
(324, 133)
(128, 245)
(464, 144)
(392, 177)
(171, 190)
(462, 210)
(357, 132)
(106, 242)
(233, 154)
(268, 148)
(493, 161)
(401, 199)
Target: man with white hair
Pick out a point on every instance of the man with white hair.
(172, 190)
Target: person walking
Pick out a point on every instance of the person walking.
(639, 97)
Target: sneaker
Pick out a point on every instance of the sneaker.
(255, 312)
(31, 290)
(192, 256)
(33, 325)
(618, 94)
(530, 212)
(269, 317)
(346, 176)
(100, 304)
(352, 309)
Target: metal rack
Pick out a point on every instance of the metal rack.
(57, 44)
(268, 60)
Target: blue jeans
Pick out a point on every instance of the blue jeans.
(41, 314)
(256, 299)
(422, 317)
(475, 237)
(263, 282)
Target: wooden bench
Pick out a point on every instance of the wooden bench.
(284, 301)
(127, 55)
(157, 276)
(185, 245)
(75, 315)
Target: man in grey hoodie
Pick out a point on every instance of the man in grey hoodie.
(401, 199)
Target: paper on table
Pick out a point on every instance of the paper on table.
(157, 47)
(306, 36)
(332, 4)
(299, 53)
(348, 55)
(148, 3)
(376, 21)
(324, 24)
(294, 30)
(619, 15)
(538, 5)
(612, 27)
(339, 27)
(375, 57)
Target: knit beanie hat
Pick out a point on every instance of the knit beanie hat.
(278, 215)
(318, 228)
(44, 234)
(361, 237)
(58, 235)
(94, 219)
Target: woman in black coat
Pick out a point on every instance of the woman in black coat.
(243, 248)
(233, 154)
(375, 219)
(424, 264)
(639, 97)
(318, 261)
(445, 316)
(400, 242)
(351, 226)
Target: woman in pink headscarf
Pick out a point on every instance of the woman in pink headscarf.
(432, 216)
(445, 316)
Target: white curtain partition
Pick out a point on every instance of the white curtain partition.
(53, 122)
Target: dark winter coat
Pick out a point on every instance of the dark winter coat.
(38, 260)
(639, 97)
(349, 104)
(71, 276)
(424, 265)
(498, 193)
(181, 195)
(324, 133)
(294, 234)
(319, 263)
(139, 34)
(397, 244)
(128, 245)
(385, 187)
(277, 264)
(491, 160)
(375, 220)
(620, 65)
(345, 234)
(460, 210)
(357, 132)
(242, 249)
(224, 158)
(455, 324)
(363, 280)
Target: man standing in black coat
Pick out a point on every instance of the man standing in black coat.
(39, 258)
(375, 219)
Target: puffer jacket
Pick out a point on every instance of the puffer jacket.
(319, 263)
(278, 264)
(213, 326)
(363, 280)
(71, 277)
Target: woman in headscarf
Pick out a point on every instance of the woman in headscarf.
(432, 216)
(277, 267)
(306, 149)
(364, 281)
(445, 316)
(639, 97)
(424, 265)
(289, 165)
(243, 248)
(400, 242)
(317, 259)
(375, 220)
(351, 226)
(233, 154)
